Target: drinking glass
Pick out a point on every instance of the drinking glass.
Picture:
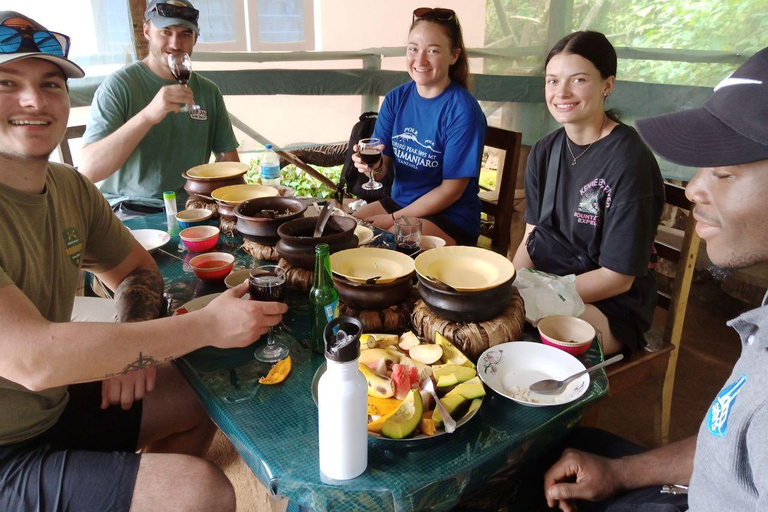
(267, 284)
(370, 153)
(408, 234)
(181, 69)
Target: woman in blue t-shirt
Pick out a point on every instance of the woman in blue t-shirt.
(606, 195)
(432, 131)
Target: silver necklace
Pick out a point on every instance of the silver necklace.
(602, 124)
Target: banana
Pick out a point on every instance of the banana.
(372, 356)
(378, 385)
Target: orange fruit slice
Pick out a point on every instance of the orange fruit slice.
(278, 372)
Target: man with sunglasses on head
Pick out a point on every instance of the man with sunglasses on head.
(137, 141)
(77, 400)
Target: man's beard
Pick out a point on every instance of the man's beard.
(719, 273)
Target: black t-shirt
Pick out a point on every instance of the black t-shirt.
(608, 205)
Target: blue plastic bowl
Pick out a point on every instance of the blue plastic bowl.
(194, 217)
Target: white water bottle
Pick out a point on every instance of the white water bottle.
(270, 167)
(342, 404)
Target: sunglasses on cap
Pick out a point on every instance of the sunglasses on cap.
(13, 39)
(433, 14)
(177, 11)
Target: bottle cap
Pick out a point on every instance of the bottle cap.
(342, 349)
(268, 146)
(169, 195)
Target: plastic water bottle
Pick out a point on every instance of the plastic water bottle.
(270, 167)
(342, 403)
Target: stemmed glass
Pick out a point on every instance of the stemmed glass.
(370, 154)
(267, 284)
(181, 69)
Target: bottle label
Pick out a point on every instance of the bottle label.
(331, 310)
(270, 172)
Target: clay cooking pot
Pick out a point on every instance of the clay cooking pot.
(373, 296)
(297, 245)
(206, 186)
(473, 307)
(263, 230)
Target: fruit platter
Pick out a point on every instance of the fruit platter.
(396, 367)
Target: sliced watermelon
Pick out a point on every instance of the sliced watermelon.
(400, 376)
(413, 374)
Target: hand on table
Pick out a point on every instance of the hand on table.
(169, 99)
(129, 388)
(579, 476)
(383, 221)
(237, 322)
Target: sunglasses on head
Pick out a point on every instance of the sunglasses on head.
(177, 11)
(13, 39)
(429, 13)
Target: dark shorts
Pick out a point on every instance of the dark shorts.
(439, 220)
(85, 462)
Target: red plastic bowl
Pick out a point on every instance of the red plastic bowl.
(200, 238)
(212, 266)
(569, 334)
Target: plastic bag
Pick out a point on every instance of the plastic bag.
(547, 294)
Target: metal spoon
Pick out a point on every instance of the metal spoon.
(323, 220)
(448, 422)
(552, 386)
(440, 284)
(372, 280)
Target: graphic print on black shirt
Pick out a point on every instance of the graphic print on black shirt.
(595, 200)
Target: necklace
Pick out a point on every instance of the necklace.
(602, 124)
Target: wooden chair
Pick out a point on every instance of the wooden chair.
(73, 132)
(660, 359)
(501, 205)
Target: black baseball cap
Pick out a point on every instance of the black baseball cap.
(730, 129)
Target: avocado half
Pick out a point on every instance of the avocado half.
(406, 418)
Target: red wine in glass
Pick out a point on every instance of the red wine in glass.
(370, 156)
(267, 284)
(180, 66)
(181, 75)
(370, 153)
(407, 247)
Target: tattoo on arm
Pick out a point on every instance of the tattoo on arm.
(139, 364)
(140, 296)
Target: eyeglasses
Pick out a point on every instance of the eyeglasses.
(13, 39)
(177, 11)
(434, 14)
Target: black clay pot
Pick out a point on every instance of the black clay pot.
(373, 296)
(226, 210)
(297, 245)
(472, 307)
(252, 225)
(206, 186)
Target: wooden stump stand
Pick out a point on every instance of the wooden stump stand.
(393, 319)
(259, 251)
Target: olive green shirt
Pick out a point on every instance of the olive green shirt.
(45, 239)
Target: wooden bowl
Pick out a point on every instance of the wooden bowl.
(297, 245)
(261, 229)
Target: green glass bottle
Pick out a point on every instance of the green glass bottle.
(323, 298)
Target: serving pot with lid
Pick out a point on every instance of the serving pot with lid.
(254, 224)
(470, 307)
(373, 296)
(297, 245)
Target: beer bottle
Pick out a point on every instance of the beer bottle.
(323, 298)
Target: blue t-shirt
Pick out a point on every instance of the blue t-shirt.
(433, 140)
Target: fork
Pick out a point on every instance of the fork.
(448, 422)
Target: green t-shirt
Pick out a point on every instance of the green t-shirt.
(176, 144)
(45, 239)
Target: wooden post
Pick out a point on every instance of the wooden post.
(136, 12)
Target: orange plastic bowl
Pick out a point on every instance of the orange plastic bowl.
(200, 238)
(212, 266)
(568, 333)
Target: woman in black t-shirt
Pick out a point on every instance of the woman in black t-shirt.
(608, 193)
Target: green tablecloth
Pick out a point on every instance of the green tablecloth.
(274, 428)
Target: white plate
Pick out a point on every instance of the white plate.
(151, 239)
(510, 368)
(364, 234)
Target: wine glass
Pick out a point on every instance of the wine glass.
(267, 284)
(370, 153)
(181, 68)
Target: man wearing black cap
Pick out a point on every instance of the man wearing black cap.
(727, 463)
(138, 141)
(62, 446)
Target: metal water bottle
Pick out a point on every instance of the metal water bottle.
(323, 298)
(342, 403)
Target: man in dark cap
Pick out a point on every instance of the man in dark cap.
(727, 463)
(138, 141)
(64, 445)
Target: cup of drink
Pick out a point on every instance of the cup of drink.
(408, 234)
(267, 284)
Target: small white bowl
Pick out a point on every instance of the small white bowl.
(431, 242)
(237, 277)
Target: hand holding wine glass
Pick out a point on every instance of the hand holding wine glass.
(267, 284)
(181, 69)
(370, 153)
